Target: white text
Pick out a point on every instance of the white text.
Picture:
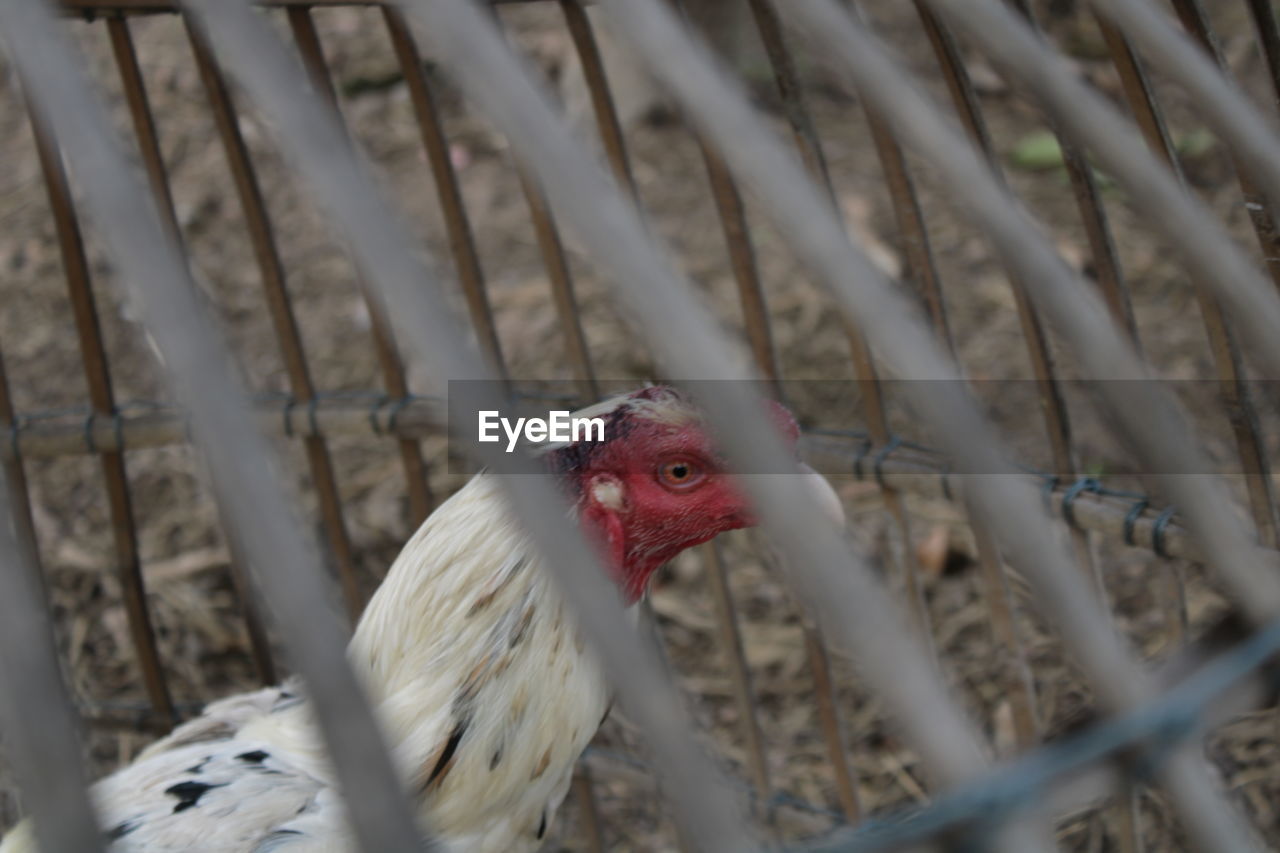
(558, 427)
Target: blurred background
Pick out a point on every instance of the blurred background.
(196, 611)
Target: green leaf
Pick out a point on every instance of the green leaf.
(1195, 142)
(1037, 150)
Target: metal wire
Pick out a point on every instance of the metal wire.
(833, 581)
(141, 424)
(1237, 402)
(679, 329)
(1155, 731)
(33, 699)
(1216, 261)
(98, 378)
(282, 557)
(321, 151)
(392, 366)
(261, 230)
(294, 115)
(687, 342)
(712, 101)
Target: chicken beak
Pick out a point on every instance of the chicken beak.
(828, 501)
(829, 505)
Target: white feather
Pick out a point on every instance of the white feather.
(486, 693)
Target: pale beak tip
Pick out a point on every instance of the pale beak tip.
(828, 500)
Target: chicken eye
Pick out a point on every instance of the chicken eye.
(680, 474)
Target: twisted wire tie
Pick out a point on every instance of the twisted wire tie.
(1157, 531)
(312, 404)
(15, 426)
(1046, 490)
(863, 450)
(396, 408)
(374, 411)
(1084, 484)
(287, 414)
(1131, 518)
(90, 440)
(893, 445)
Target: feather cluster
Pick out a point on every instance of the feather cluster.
(485, 690)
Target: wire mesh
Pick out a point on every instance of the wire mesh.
(1153, 739)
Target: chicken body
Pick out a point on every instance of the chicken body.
(485, 691)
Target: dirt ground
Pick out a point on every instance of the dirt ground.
(197, 614)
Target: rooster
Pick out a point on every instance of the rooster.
(483, 686)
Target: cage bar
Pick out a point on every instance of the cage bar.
(24, 529)
(1237, 400)
(394, 377)
(1261, 211)
(665, 310)
(153, 268)
(733, 218)
(792, 93)
(457, 223)
(554, 190)
(915, 238)
(1052, 405)
(35, 701)
(606, 114)
(1208, 250)
(1264, 19)
(718, 108)
(144, 127)
(381, 246)
(275, 287)
(94, 360)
